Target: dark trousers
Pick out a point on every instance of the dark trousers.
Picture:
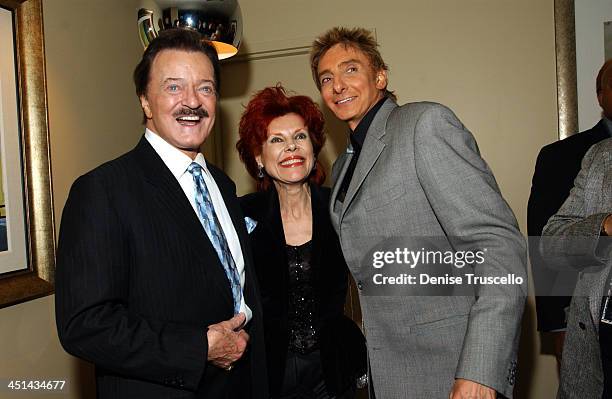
(304, 377)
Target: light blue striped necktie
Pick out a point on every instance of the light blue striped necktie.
(210, 222)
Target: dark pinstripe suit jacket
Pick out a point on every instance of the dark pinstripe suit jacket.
(138, 282)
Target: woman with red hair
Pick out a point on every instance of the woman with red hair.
(313, 350)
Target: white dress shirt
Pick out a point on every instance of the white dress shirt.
(178, 163)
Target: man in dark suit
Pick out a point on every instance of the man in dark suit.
(556, 168)
(154, 275)
(577, 237)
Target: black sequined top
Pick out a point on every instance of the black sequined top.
(303, 329)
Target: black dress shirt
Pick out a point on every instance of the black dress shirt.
(357, 138)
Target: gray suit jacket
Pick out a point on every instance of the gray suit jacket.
(420, 174)
(576, 243)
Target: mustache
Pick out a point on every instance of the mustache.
(185, 111)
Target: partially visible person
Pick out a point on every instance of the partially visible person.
(414, 171)
(3, 235)
(576, 236)
(312, 349)
(154, 282)
(556, 168)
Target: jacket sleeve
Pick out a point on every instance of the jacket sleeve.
(92, 308)
(548, 191)
(543, 199)
(468, 204)
(572, 236)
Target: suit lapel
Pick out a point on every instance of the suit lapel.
(319, 229)
(274, 218)
(276, 242)
(170, 193)
(372, 148)
(600, 131)
(173, 201)
(343, 163)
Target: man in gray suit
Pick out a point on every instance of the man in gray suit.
(415, 171)
(577, 230)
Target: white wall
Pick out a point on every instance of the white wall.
(590, 18)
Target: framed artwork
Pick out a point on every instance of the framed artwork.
(27, 237)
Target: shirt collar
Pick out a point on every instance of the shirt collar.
(608, 124)
(358, 136)
(174, 159)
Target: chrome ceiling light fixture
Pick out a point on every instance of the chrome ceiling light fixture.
(218, 21)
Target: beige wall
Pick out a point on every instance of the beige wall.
(91, 50)
(493, 63)
(490, 61)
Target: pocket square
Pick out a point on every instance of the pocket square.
(250, 224)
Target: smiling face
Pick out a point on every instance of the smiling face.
(287, 154)
(180, 100)
(349, 85)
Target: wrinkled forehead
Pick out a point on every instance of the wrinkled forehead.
(181, 66)
(341, 54)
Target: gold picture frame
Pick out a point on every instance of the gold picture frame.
(565, 50)
(35, 279)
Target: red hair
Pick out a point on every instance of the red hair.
(265, 106)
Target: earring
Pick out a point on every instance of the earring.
(315, 165)
(260, 173)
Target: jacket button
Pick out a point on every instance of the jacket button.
(359, 285)
(581, 325)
